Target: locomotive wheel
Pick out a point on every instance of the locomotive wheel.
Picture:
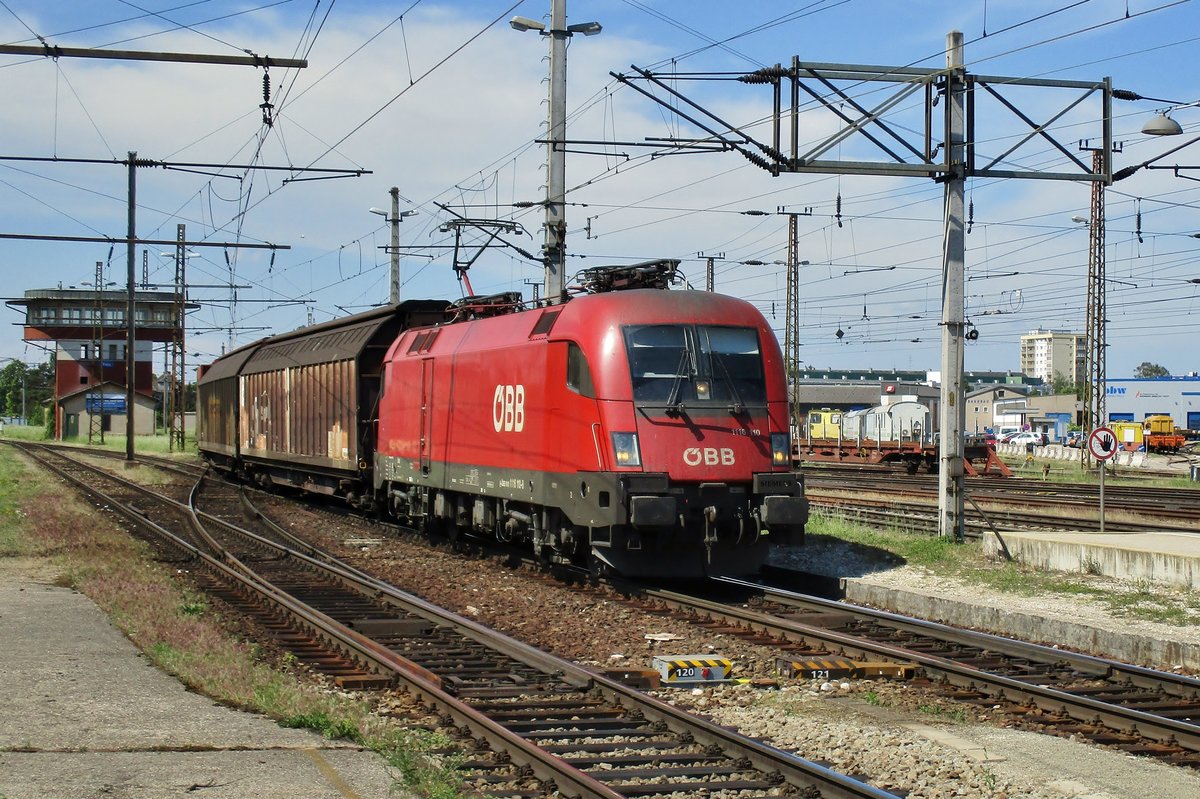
(598, 570)
(433, 526)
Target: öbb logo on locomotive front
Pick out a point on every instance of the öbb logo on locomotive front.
(508, 408)
(709, 456)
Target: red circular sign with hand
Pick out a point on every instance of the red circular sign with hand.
(1102, 443)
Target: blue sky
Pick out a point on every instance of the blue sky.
(445, 101)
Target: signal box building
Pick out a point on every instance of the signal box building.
(88, 331)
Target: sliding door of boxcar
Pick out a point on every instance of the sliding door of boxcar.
(322, 413)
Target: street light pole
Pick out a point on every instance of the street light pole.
(554, 248)
(394, 296)
(394, 220)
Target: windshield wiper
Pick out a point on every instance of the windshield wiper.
(674, 406)
(738, 407)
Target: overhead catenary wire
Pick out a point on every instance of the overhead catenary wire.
(876, 216)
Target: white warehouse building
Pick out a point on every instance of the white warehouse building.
(1132, 399)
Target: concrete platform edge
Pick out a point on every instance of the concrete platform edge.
(1129, 647)
(1133, 556)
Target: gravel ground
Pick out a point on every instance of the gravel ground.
(895, 736)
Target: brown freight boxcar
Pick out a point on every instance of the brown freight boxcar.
(299, 408)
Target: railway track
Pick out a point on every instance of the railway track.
(922, 517)
(920, 514)
(1097, 683)
(537, 724)
(1182, 504)
(1137, 710)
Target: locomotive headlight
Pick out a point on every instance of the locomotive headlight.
(781, 449)
(625, 449)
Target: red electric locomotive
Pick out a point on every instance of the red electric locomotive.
(644, 429)
(640, 430)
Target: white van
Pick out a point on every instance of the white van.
(1007, 430)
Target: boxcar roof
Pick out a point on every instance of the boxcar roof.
(338, 339)
(228, 365)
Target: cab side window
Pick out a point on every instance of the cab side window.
(579, 375)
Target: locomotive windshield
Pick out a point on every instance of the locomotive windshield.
(696, 365)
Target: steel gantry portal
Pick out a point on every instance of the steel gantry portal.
(942, 145)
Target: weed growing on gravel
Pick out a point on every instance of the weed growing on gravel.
(320, 720)
(193, 604)
(157, 608)
(957, 715)
(408, 751)
(872, 698)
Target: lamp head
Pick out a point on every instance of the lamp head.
(379, 211)
(586, 28)
(1162, 125)
(525, 24)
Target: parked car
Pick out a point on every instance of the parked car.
(1028, 437)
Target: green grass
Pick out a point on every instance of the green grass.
(158, 444)
(968, 563)
(175, 627)
(955, 714)
(916, 549)
(17, 492)
(21, 432)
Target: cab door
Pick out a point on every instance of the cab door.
(425, 449)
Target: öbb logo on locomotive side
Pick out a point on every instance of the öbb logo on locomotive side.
(508, 408)
(709, 456)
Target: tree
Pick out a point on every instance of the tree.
(1061, 384)
(1147, 369)
(25, 386)
(12, 381)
